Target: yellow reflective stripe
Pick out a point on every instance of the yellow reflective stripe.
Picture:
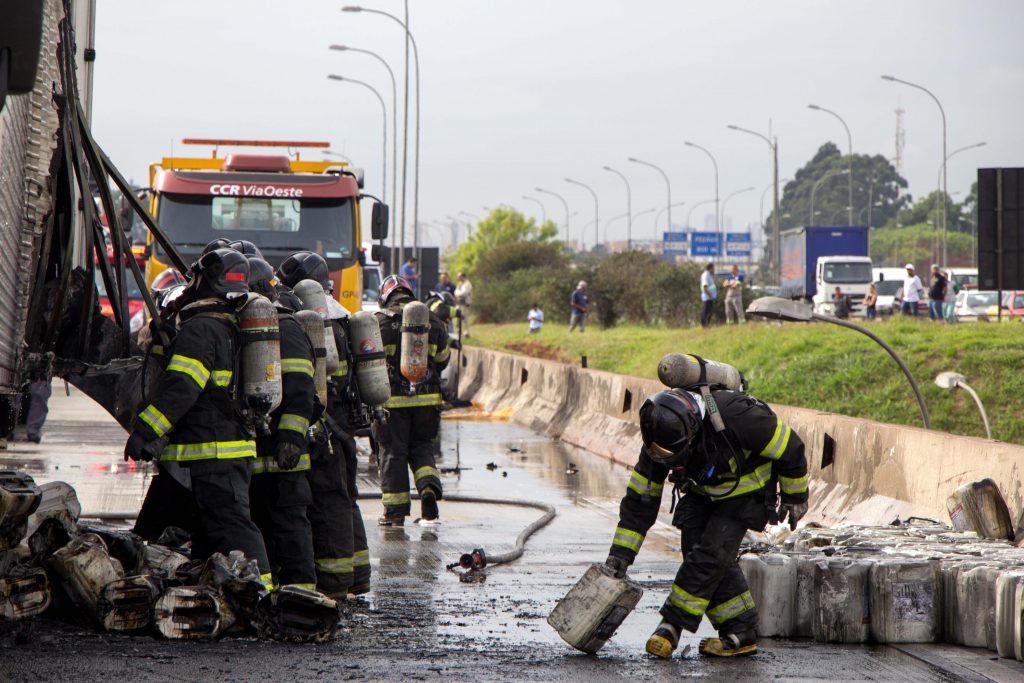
(777, 446)
(748, 483)
(687, 602)
(301, 366)
(342, 370)
(732, 608)
(222, 378)
(627, 538)
(389, 349)
(155, 419)
(393, 499)
(426, 471)
(157, 350)
(267, 580)
(220, 450)
(334, 565)
(293, 422)
(361, 558)
(444, 355)
(638, 483)
(191, 367)
(268, 465)
(413, 401)
(793, 485)
(308, 586)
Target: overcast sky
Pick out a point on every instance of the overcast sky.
(521, 94)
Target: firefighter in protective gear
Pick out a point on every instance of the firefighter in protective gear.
(280, 488)
(733, 481)
(193, 411)
(442, 304)
(339, 537)
(414, 412)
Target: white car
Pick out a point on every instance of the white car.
(972, 305)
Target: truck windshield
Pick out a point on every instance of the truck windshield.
(842, 273)
(271, 223)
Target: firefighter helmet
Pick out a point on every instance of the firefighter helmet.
(392, 285)
(219, 243)
(305, 265)
(224, 273)
(261, 278)
(246, 247)
(668, 422)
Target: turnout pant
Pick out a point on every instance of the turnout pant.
(279, 503)
(220, 489)
(709, 580)
(331, 518)
(408, 445)
(167, 503)
(346, 445)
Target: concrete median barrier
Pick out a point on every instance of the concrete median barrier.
(877, 471)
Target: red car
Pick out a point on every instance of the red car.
(1013, 304)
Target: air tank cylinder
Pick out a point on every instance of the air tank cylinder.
(313, 325)
(311, 294)
(415, 342)
(261, 355)
(370, 361)
(678, 370)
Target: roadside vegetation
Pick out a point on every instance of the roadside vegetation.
(817, 365)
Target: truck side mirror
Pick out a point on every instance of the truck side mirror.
(20, 38)
(362, 257)
(378, 253)
(379, 222)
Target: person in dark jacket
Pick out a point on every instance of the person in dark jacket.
(280, 488)
(191, 410)
(334, 513)
(733, 481)
(414, 412)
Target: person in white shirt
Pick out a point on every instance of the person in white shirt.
(536, 318)
(708, 294)
(912, 290)
(464, 299)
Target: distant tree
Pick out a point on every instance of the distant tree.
(921, 244)
(875, 181)
(503, 226)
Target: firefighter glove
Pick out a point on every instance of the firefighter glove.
(616, 566)
(455, 344)
(794, 511)
(286, 455)
(138, 448)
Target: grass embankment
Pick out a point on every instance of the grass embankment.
(818, 365)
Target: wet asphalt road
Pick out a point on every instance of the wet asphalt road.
(420, 622)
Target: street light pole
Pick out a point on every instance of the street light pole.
(941, 168)
(849, 142)
(597, 222)
(664, 209)
(394, 116)
(629, 208)
(945, 157)
(668, 185)
(690, 212)
(721, 238)
(814, 189)
(543, 211)
(714, 162)
(763, 193)
(775, 261)
(564, 203)
(410, 40)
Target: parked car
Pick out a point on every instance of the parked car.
(973, 305)
(1013, 306)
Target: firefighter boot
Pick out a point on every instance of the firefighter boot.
(730, 645)
(663, 641)
(428, 505)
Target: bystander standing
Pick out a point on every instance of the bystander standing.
(536, 318)
(912, 290)
(870, 302)
(937, 293)
(708, 294)
(444, 284)
(411, 274)
(949, 304)
(579, 305)
(840, 304)
(734, 296)
(463, 300)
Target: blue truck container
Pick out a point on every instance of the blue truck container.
(802, 247)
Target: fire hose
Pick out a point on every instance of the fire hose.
(476, 559)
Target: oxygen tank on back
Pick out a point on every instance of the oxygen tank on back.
(261, 355)
(369, 359)
(677, 370)
(313, 326)
(312, 296)
(415, 342)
